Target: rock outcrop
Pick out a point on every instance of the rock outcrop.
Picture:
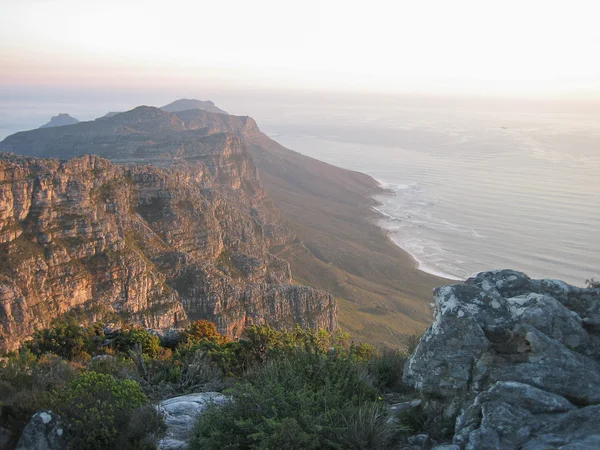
(181, 414)
(43, 432)
(513, 363)
(154, 245)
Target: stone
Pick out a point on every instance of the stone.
(421, 441)
(400, 408)
(5, 438)
(513, 362)
(43, 432)
(181, 414)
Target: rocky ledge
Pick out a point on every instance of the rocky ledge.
(512, 362)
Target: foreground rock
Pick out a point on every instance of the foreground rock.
(511, 362)
(43, 432)
(181, 414)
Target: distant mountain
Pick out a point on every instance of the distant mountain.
(186, 104)
(60, 120)
(110, 114)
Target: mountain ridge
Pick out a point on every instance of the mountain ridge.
(340, 249)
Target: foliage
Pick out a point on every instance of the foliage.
(96, 408)
(26, 385)
(145, 427)
(202, 330)
(135, 336)
(295, 401)
(368, 428)
(386, 368)
(68, 339)
(292, 389)
(592, 283)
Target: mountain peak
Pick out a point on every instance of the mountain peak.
(185, 104)
(60, 120)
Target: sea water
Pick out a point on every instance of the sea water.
(472, 188)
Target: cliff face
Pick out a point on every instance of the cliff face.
(158, 245)
(325, 230)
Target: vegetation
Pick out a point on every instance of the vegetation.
(293, 389)
(592, 283)
(97, 408)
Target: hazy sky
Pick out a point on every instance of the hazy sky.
(482, 46)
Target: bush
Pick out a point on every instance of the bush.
(387, 367)
(68, 339)
(202, 330)
(368, 428)
(295, 401)
(26, 386)
(96, 408)
(135, 336)
(145, 427)
(592, 283)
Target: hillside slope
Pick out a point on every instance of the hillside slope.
(382, 295)
(154, 245)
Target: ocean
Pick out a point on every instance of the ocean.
(473, 185)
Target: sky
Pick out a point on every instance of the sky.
(525, 47)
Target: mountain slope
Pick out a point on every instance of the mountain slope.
(382, 295)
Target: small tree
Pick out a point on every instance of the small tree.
(203, 329)
(592, 283)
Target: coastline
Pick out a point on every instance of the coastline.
(418, 263)
(382, 295)
(378, 221)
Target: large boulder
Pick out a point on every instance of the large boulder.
(181, 414)
(511, 362)
(43, 432)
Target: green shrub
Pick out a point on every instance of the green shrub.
(136, 336)
(26, 386)
(386, 368)
(295, 401)
(96, 408)
(368, 428)
(68, 339)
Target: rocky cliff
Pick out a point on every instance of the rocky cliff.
(157, 245)
(326, 230)
(512, 362)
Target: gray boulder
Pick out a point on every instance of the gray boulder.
(511, 362)
(43, 432)
(181, 414)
